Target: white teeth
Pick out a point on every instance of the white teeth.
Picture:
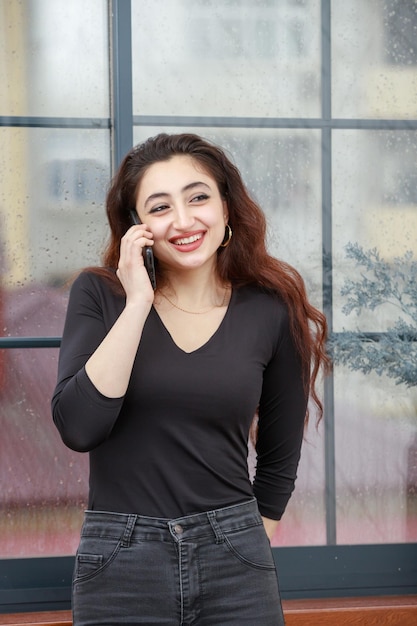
(185, 240)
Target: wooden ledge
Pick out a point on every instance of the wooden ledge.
(43, 618)
(372, 611)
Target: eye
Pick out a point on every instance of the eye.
(159, 208)
(200, 197)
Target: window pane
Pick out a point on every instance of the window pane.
(375, 206)
(281, 169)
(226, 58)
(51, 211)
(376, 452)
(375, 210)
(44, 485)
(54, 58)
(374, 58)
(304, 521)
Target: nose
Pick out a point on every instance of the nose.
(183, 218)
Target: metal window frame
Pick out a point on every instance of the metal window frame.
(319, 571)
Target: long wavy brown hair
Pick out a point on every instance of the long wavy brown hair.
(244, 261)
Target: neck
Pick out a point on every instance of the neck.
(194, 290)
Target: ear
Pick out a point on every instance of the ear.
(225, 211)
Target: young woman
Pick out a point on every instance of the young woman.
(161, 388)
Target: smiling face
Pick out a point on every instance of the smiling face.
(182, 206)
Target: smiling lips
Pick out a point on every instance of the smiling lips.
(188, 242)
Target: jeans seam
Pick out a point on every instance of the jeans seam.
(244, 560)
(181, 584)
(99, 570)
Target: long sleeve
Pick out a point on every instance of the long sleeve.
(282, 412)
(83, 416)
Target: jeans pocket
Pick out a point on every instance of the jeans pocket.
(251, 547)
(93, 556)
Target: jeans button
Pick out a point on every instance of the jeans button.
(178, 529)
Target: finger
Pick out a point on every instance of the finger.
(139, 229)
(138, 234)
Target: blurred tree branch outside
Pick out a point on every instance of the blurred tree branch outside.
(394, 352)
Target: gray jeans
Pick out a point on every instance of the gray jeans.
(210, 568)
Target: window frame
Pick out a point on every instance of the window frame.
(28, 584)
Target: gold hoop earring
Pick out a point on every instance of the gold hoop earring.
(227, 234)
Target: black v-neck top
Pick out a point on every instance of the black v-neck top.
(177, 442)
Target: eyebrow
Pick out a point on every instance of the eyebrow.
(164, 194)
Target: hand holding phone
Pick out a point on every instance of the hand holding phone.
(147, 252)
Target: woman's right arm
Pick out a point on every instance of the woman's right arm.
(95, 362)
(110, 366)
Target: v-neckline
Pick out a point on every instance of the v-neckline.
(205, 343)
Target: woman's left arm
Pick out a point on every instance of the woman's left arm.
(282, 411)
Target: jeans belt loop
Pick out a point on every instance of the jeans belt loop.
(127, 535)
(216, 528)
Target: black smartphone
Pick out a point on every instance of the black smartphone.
(147, 252)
